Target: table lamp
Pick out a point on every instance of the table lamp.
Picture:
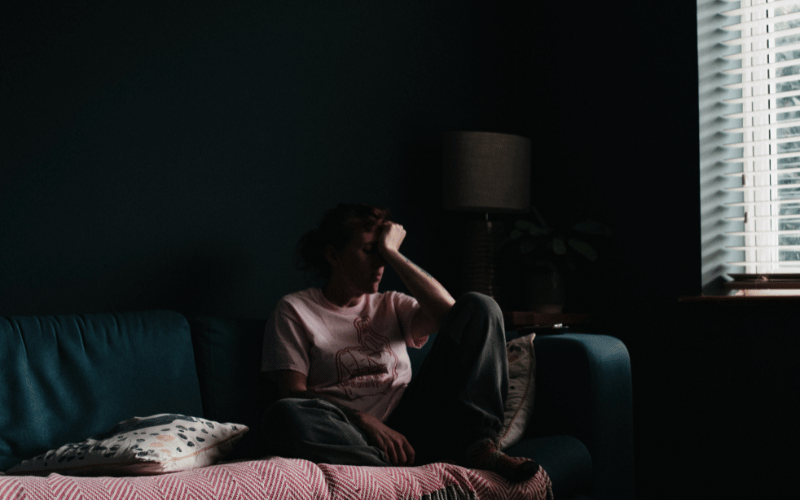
(485, 172)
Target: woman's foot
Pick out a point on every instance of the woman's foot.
(484, 455)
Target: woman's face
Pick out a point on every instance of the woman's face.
(359, 266)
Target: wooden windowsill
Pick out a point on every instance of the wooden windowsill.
(740, 299)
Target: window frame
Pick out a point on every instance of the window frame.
(726, 232)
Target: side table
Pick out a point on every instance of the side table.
(543, 322)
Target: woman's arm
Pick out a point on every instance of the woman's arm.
(291, 384)
(398, 450)
(433, 298)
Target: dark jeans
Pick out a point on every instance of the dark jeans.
(456, 398)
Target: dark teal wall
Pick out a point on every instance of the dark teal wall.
(172, 156)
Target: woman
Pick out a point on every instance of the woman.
(338, 355)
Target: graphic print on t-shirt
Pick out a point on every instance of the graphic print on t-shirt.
(369, 368)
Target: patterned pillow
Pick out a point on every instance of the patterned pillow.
(521, 390)
(142, 445)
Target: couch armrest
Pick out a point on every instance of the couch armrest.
(583, 389)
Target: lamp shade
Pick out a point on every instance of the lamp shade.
(486, 172)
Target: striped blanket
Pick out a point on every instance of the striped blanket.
(279, 478)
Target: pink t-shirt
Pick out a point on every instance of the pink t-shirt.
(355, 356)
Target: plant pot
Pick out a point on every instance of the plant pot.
(544, 289)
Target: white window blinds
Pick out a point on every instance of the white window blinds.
(764, 132)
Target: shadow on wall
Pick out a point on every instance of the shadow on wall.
(433, 245)
(198, 278)
(203, 277)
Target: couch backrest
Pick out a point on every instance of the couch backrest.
(228, 358)
(65, 378)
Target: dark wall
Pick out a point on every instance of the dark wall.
(715, 386)
(171, 155)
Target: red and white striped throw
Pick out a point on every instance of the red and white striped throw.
(279, 478)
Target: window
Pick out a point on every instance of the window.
(749, 97)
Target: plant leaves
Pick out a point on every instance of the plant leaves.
(516, 234)
(525, 225)
(583, 248)
(559, 248)
(532, 228)
(539, 217)
(592, 227)
(526, 247)
(540, 231)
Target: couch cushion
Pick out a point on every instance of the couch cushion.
(565, 459)
(521, 390)
(228, 357)
(68, 377)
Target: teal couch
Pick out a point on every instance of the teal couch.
(68, 377)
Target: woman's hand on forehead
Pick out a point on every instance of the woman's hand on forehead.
(391, 237)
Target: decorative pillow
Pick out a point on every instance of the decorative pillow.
(142, 445)
(521, 390)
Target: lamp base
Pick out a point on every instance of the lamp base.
(479, 266)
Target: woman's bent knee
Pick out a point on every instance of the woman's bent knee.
(285, 421)
(292, 416)
(282, 411)
(475, 301)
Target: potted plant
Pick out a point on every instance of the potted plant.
(541, 257)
